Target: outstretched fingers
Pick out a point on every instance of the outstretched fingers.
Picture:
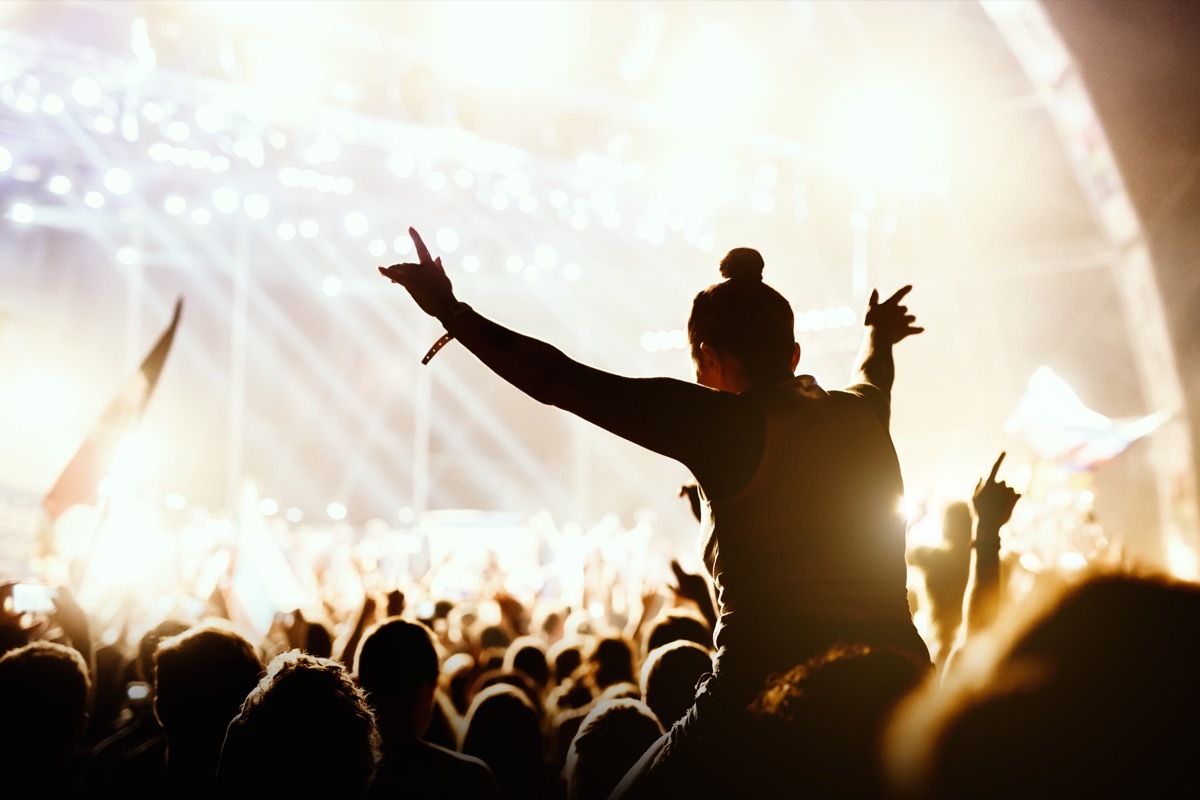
(996, 467)
(899, 295)
(422, 250)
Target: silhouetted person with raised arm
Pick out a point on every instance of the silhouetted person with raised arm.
(800, 486)
(945, 569)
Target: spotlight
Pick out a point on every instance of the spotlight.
(286, 231)
(86, 91)
(356, 223)
(22, 213)
(225, 200)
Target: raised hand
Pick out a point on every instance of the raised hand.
(994, 501)
(425, 281)
(694, 587)
(890, 319)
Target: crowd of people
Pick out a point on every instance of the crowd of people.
(791, 666)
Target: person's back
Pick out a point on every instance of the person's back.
(812, 550)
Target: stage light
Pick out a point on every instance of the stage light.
(355, 223)
(572, 272)
(403, 245)
(178, 131)
(436, 181)
(199, 159)
(127, 256)
(219, 164)
(294, 515)
(470, 263)
(309, 229)
(159, 151)
(514, 264)
(447, 240)
(464, 177)
(175, 205)
(762, 202)
(22, 213)
(117, 180)
(53, 104)
(377, 247)
(175, 501)
(332, 286)
(406, 515)
(286, 231)
(209, 118)
(516, 46)
(153, 112)
(103, 125)
(59, 184)
(86, 91)
(256, 206)
(290, 177)
(5, 160)
(402, 165)
(26, 103)
(706, 242)
(225, 200)
(93, 200)
(336, 511)
(545, 257)
(201, 216)
(268, 507)
(580, 222)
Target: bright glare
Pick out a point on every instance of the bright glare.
(86, 91)
(518, 46)
(137, 458)
(225, 200)
(22, 213)
(5, 160)
(294, 515)
(127, 256)
(53, 104)
(43, 401)
(268, 507)
(93, 199)
(470, 263)
(117, 180)
(447, 240)
(286, 231)
(714, 83)
(175, 204)
(59, 184)
(175, 501)
(356, 223)
(377, 247)
(332, 286)
(256, 206)
(336, 511)
(201, 216)
(889, 133)
(309, 228)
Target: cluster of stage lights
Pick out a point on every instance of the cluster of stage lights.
(269, 507)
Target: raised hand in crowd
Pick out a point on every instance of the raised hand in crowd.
(694, 587)
(993, 502)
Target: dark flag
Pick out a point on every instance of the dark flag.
(79, 482)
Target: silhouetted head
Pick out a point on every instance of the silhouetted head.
(669, 677)
(612, 662)
(741, 331)
(306, 730)
(612, 737)
(149, 643)
(503, 730)
(397, 664)
(201, 678)
(566, 655)
(527, 655)
(827, 717)
(44, 696)
(1096, 696)
(676, 626)
(318, 641)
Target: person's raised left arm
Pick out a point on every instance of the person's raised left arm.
(888, 323)
(681, 420)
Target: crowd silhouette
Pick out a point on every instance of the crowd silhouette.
(791, 667)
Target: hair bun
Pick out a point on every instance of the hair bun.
(742, 262)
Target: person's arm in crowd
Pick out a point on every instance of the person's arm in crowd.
(696, 588)
(366, 614)
(74, 623)
(888, 323)
(993, 502)
(711, 432)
